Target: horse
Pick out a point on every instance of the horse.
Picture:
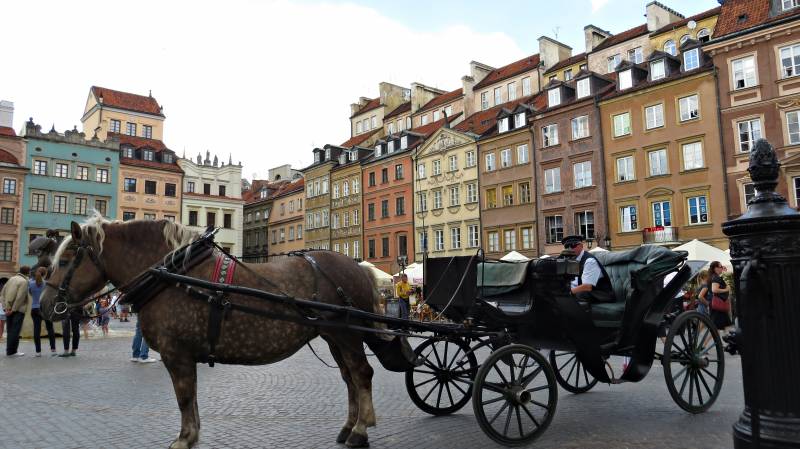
(177, 325)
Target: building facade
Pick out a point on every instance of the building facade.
(346, 213)
(112, 111)
(257, 207)
(285, 223)
(212, 197)
(12, 173)
(318, 200)
(70, 177)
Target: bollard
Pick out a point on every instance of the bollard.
(764, 246)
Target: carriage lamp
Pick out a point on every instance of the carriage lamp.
(607, 242)
(403, 262)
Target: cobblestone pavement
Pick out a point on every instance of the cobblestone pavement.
(101, 400)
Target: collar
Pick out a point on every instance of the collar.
(580, 256)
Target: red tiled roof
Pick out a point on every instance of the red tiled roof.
(371, 104)
(442, 99)
(253, 195)
(403, 108)
(567, 62)
(739, 15)
(681, 23)
(359, 139)
(127, 101)
(290, 188)
(8, 132)
(150, 164)
(481, 122)
(615, 39)
(8, 158)
(430, 128)
(139, 142)
(515, 68)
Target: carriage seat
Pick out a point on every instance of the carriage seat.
(504, 284)
(619, 265)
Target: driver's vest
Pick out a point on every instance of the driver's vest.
(604, 283)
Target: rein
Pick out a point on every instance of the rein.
(62, 299)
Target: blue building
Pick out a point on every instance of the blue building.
(69, 178)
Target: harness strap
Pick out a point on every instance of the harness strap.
(218, 310)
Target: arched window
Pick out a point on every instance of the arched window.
(669, 47)
(703, 35)
(684, 38)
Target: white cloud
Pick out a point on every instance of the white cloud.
(261, 80)
(597, 4)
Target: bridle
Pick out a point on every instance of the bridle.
(63, 298)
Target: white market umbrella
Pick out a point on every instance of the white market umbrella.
(514, 256)
(414, 272)
(703, 251)
(381, 277)
(546, 256)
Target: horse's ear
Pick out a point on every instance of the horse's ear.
(77, 234)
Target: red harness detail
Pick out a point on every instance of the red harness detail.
(224, 269)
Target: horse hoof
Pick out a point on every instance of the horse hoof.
(343, 434)
(180, 444)
(357, 440)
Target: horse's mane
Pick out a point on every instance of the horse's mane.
(175, 235)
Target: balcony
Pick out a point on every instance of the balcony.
(660, 235)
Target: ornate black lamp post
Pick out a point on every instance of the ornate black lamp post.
(764, 252)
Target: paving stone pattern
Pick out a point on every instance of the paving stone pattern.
(101, 400)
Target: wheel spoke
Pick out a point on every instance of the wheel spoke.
(424, 372)
(540, 388)
(492, 401)
(709, 373)
(524, 366)
(586, 376)
(544, 406)
(459, 387)
(439, 396)
(455, 357)
(683, 385)
(494, 387)
(675, 377)
(561, 368)
(697, 387)
(432, 379)
(578, 374)
(691, 389)
(519, 422)
(429, 393)
(491, 421)
(438, 359)
(705, 384)
(505, 381)
(529, 378)
(508, 420)
(444, 357)
(528, 412)
(449, 394)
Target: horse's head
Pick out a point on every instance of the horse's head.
(78, 271)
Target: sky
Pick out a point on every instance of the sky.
(268, 80)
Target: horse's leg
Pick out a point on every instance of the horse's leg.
(361, 374)
(183, 371)
(352, 402)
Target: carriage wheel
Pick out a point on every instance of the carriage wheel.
(570, 372)
(443, 383)
(515, 395)
(694, 362)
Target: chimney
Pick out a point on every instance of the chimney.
(479, 70)
(659, 16)
(551, 51)
(593, 36)
(392, 95)
(6, 113)
(467, 84)
(421, 94)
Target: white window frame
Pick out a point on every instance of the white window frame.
(625, 79)
(522, 154)
(793, 120)
(550, 135)
(629, 218)
(664, 212)
(455, 196)
(471, 160)
(453, 162)
(455, 238)
(438, 240)
(473, 233)
(498, 96)
(613, 62)
(554, 97)
(526, 86)
(685, 107)
(670, 48)
(744, 72)
(636, 55)
(658, 70)
(792, 53)
(582, 174)
(654, 116)
(502, 125)
(490, 162)
(472, 192)
(697, 218)
(752, 129)
(512, 91)
(552, 180)
(622, 124)
(580, 127)
(505, 158)
(583, 87)
(626, 169)
(659, 163)
(519, 120)
(691, 59)
(693, 157)
(437, 168)
(484, 100)
(437, 199)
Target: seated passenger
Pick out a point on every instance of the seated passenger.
(592, 283)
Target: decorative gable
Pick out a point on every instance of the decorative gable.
(442, 140)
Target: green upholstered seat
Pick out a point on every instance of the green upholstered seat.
(498, 278)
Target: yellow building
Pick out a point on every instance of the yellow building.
(699, 27)
(112, 111)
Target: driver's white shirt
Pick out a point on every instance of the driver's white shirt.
(591, 272)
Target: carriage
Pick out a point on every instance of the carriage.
(518, 312)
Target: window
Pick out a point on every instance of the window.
(683, 39)
(101, 175)
(636, 55)
(553, 97)
(524, 193)
(628, 218)
(385, 209)
(490, 166)
(554, 227)
(130, 129)
(584, 224)
(82, 173)
(519, 120)
(793, 125)
(129, 185)
(494, 241)
(356, 253)
(654, 116)
(149, 216)
(7, 215)
(127, 216)
(211, 219)
(400, 205)
(190, 187)
(437, 167)
(449, 110)
(453, 163)
(692, 156)
(438, 240)
(526, 86)
(206, 189)
(101, 206)
(471, 160)
(355, 187)
(491, 198)
(221, 190)
(60, 204)
(345, 188)
(384, 176)
(583, 88)
(472, 235)
(129, 152)
(580, 127)
(484, 101)
(373, 121)
(371, 181)
(502, 125)
(567, 74)
(790, 61)
(662, 213)
(421, 170)
(625, 171)
(789, 4)
(552, 180)
(670, 48)
(227, 221)
(691, 59)
(703, 35)
(510, 239)
(436, 115)
(657, 70)
(455, 196)
(508, 195)
(550, 135)
(114, 126)
(62, 170)
(40, 168)
(498, 96)
(512, 91)
(744, 72)
(9, 186)
(613, 62)
(698, 210)
(147, 131)
(622, 124)
(796, 182)
(472, 193)
(658, 162)
(455, 238)
(582, 172)
(38, 202)
(625, 80)
(6, 250)
(749, 132)
(437, 199)
(81, 205)
(505, 158)
(689, 108)
(398, 172)
(522, 154)
(359, 130)
(150, 187)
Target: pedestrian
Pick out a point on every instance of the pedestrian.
(141, 352)
(703, 296)
(15, 301)
(104, 312)
(403, 291)
(71, 326)
(2, 310)
(720, 306)
(35, 288)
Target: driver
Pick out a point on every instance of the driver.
(592, 284)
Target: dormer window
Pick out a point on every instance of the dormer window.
(704, 35)
(352, 155)
(129, 153)
(789, 4)
(391, 128)
(553, 97)
(583, 88)
(404, 142)
(519, 120)
(691, 59)
(263, 193)
(625, 80)
(657, 70)
(316, 156)
(148, 155)
(502, 125)
(167, 158)
(378, 150)
(391, 146)
(327, 154)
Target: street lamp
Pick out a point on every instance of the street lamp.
(607, 242)
(403, 262)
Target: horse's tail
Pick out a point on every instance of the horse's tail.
(394, 352)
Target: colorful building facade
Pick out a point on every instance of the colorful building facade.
(285, 224)
(12, 174)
